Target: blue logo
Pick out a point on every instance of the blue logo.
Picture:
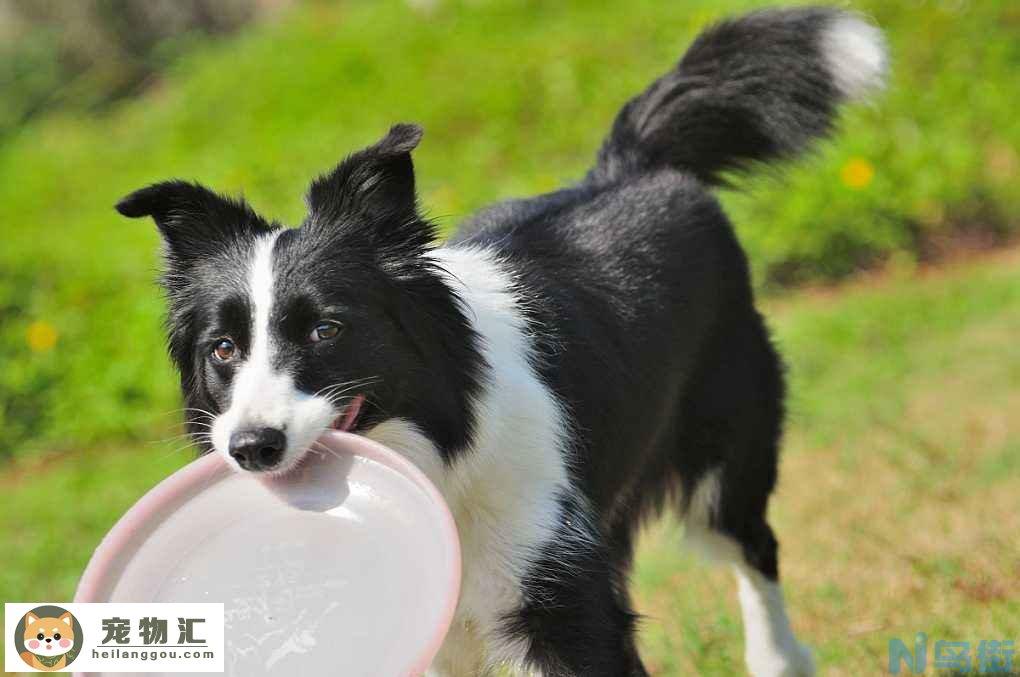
(990, 657)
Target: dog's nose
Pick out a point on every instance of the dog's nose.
(48, 639)
(259, 449)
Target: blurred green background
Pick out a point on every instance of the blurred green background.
(885, 262)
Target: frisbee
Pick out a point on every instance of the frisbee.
(349, 564)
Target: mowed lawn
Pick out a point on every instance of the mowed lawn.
(897, 510)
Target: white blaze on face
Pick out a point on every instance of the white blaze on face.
(263, 396)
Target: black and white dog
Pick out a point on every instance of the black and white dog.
(561, 368)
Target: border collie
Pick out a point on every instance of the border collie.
(561, 368)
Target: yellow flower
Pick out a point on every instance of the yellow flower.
(857, 173)
(41, 336)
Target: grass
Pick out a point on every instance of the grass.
(896, 510)
(515, 97)
(897, 504)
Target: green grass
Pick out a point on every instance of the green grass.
(896, 510)
(515, 97)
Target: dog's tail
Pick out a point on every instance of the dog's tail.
(752, 89)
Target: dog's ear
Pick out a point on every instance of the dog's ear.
(30, 618)
(373, 190)
(191, 218)
(66, 617)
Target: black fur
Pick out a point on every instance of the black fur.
(365, 236)
(359, 259)
(647, 327)
(643, 321)
(203, 235)
(750, 89)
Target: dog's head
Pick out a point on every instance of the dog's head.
(280, 334)
(49, 637)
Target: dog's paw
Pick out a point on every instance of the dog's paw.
(794, 660)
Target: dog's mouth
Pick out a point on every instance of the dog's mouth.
(348, 418)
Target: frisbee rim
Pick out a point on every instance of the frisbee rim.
(203, 472)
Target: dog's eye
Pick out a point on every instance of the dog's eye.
(224, 350)
(56, 636)
(40, 636)
(324, 331)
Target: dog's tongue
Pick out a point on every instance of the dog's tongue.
(350, 414)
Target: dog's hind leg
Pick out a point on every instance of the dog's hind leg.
(770, 645)
(728, 466)
(748, 545)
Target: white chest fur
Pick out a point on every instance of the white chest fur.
(504, 491)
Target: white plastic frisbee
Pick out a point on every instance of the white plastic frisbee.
(348, 565)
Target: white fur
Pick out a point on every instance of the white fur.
(855, 54)
(261, 396)
(701, 510)
(771, 649)
(503, 490)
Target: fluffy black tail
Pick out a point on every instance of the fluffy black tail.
(757, 88)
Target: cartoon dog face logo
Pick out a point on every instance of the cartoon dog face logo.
(49, 638)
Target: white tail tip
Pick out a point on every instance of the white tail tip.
(855, 53)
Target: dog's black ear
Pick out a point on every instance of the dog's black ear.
(191, 218)
(373, 189)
